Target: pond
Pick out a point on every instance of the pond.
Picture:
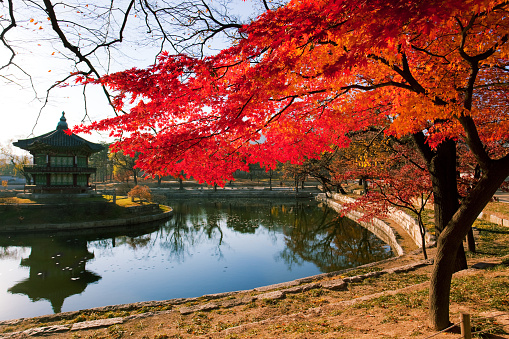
(206, 247)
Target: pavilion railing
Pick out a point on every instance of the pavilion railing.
(59, 169)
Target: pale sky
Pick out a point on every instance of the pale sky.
(21, 111)
(21, 104)
(21, 116)
(22, 97)
(38, 54)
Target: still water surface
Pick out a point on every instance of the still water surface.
(207, 247)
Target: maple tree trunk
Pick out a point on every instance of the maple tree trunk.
(470, 235)
(441, 164)
(445, 193)
(451, 240)
(422, 230)
(471, 240)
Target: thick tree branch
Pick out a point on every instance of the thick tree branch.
(474, 142)
(381, 85)
(266, 5)
(11, 25)
(49, 8)
(423, 148)
(413, 84)
(74, 49)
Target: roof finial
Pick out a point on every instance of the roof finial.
(62, 124)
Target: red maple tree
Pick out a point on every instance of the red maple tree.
(303, 76)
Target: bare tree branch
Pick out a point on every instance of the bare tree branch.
(7, 29)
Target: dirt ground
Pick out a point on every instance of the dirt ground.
(392, 305)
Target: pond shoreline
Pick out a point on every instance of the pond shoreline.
(179, 301)
(242, 192)
(265, 290)
(43, 227)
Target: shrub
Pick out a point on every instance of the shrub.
(142, 192)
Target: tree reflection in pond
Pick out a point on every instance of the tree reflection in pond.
(312, 234)
(332, 243)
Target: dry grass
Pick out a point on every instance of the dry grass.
(16, 200)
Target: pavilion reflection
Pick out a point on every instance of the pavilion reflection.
(57, 261)
(57, 271)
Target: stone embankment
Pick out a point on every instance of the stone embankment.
(494, 219)
(134, 220)
(239, 192)
(377, 226)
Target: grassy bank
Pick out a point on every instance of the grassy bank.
(65, 210)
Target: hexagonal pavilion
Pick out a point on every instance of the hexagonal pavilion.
(60, 161)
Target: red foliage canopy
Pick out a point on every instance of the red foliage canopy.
(308, 73)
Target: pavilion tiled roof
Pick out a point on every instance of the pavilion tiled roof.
(58, 140)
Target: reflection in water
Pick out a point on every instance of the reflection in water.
(207, 247)
(57, 261)
(332, 244)
(57, 271)
(312, 233)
